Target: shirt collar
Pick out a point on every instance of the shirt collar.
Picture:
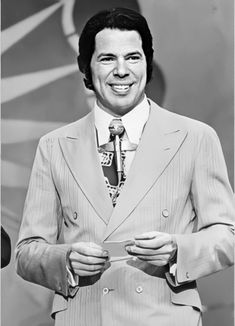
(133, 122)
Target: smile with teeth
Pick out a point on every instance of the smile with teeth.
(121, 88)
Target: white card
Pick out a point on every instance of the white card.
(116, 249)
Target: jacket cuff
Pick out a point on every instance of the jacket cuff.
(72, 278)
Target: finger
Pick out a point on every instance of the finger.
(89, 260)
(155, 243)
(147, 235)
(149, 252)
(150, 244)
(133, 250)
(89, 249)
(86, 273)
(155, 262)
(163, 258)
(88, 268)
(93, 245)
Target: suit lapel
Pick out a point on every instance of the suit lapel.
(161, 139)
(80, 152)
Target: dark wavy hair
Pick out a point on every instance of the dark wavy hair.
(116, 18)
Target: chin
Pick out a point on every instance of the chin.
(123, 106)
(121, 110)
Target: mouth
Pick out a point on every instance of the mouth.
(121, 89)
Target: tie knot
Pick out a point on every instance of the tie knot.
(116, 127)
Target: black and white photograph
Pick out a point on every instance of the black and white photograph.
(117, 170)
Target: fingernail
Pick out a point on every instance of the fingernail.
(105, 253)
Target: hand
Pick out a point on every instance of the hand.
(154, 247)
(87, 258)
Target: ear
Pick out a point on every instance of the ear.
(88, 84)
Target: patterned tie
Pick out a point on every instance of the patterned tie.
(113, 158)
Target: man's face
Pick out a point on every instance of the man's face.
(118, 68)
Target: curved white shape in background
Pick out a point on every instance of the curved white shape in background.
(72, 37)
(13, 87)
(15, 33)
(17, 131)
(68, 25)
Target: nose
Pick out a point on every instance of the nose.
(121, 68)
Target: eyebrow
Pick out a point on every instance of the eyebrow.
(105, 55)
(113, 55)
(134, 53)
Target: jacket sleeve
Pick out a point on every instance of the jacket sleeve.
(211, 248)
(39, 258)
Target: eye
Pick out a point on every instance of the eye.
(133, 58)
(107, 59)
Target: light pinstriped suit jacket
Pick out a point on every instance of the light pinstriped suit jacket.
(177, 183)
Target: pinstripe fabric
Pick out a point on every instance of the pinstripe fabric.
(68, 200)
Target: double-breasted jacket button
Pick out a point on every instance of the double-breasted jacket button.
(75, 215)
(187, 275)
(105, 291)
(165, 213)
(139, 289)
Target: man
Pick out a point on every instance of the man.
(169, 197)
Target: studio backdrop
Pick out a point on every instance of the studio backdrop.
(41, 89)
